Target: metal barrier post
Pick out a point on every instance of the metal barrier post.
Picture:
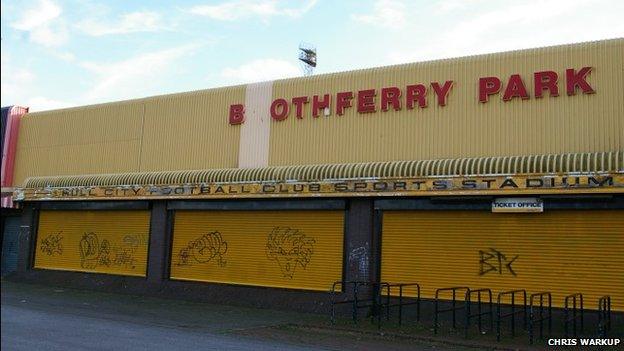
(453, 309)
(388, 302)
(355, 301)
(418, 304)
(401, 301)
(331, 299)
(604, 315)
(374, 303)
(378, 301)
(479, 315)
(578, 297)
(512, 314)
(400, 304)
(541, 318)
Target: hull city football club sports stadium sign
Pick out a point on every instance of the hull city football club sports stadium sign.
(477, 185)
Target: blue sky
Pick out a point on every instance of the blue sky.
(60, 53)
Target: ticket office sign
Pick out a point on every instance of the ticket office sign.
(518, 205)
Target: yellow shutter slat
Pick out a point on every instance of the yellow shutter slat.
(563, 252)
(113, 242)
(285, 249)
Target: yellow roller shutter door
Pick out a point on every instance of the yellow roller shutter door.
(286, 249)
(563, 252)
(113, 242)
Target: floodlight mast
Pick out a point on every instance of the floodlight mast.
(307, 56)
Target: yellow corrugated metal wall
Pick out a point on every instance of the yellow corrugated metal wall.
(94, 139)
(563, 252)
(464, 127)
(191, 130)
(113, 242)
(180, 131)
(285, 249)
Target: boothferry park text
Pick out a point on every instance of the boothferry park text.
(418, 95)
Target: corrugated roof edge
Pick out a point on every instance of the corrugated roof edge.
(137, 100)
(356, 71)
(598, 162)
(468, 58)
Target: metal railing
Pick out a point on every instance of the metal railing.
(371, 300)
(604, 315)
(344, 289)
(381, 298)
(573, 312)
(512, 314)
(454, 308)
(540, 314)
(479, 314)
(401, 303)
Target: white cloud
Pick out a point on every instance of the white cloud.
(42, 13)
(43, 23)
(518, 25)
(386, 13)
(65, 56)
(18, 85)
(134, 77)
(142, 21)
(261, 70)
(41, 103)
(239, 9)
(446, 6)
(14, 81)
(13, 75)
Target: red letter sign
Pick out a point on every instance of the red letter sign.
(487, 87)
(298, 102)
(546, 80)
(515, 88)
(237, 114)
(574, 80)
(319, 104)
(413, 93)
(366, 101)
(343, 100)
(282, 105)
(443, 92)
(390, 96)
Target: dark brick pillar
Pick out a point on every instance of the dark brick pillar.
(158, 255)
(26, 237)
(359, 241)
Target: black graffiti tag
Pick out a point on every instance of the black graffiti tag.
(204, 249)
(52, 244)
(95, 252)
(290, 248)
(493, 260)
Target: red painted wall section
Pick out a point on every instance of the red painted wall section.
(10, 143)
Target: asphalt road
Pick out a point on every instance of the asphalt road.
(27, 329)
(35, 318)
